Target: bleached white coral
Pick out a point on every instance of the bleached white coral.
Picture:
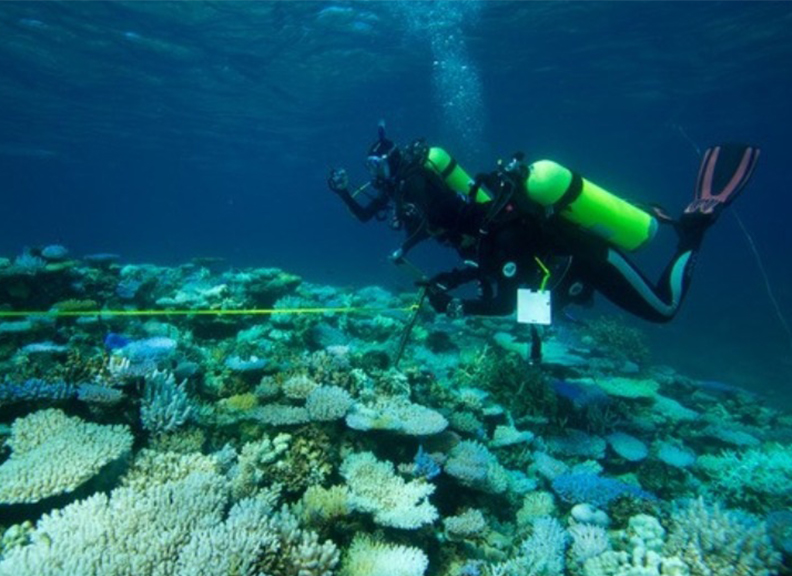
(588, 540)
(299, 387)
(476, 467)
(468, 524)
(154, 467)
(535, 505)
(256, 539)
(367, 557)
(319, 505)
(52, 453)
(377, 490)
(645, 531)
(327, 403)
(281, 415)
(541, 554)
(716, 542)
(172, 529)
(128, 533)
(165, 405)
(231, 547)
(299, 549)
(639, 562)
(398, 415)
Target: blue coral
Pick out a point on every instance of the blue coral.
(35, 389)
(424, 465)
(596, 490)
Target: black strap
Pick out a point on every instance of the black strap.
(535, 356)
(504, 195)
(448, 169)
(572, 193)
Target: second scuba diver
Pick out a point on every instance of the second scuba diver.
(514, 225)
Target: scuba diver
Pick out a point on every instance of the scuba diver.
(410, 196)
(521, 225)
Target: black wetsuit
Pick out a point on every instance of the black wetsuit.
(502, 248)
(580, 263)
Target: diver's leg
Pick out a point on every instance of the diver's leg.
(723, 174)
(609, 272)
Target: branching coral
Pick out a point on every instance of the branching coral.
(714, 542)
(367, 557)
(165, 405)
(377, 490)
(619, 338)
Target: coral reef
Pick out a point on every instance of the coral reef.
(289, 444)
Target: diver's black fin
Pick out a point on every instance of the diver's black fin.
(724, 172)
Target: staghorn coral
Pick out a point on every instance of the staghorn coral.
(172, 529)
(541, 554)
(758, 478)
(588, 541)
(125, 534)
(715, 542)
(234, 546)
(298, 551)
(165, 405)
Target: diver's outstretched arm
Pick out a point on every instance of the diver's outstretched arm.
(338, 182)
(364, 213)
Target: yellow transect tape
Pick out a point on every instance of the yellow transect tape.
(200, 312)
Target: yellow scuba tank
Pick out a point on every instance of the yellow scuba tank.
(589, 206)
(441, 163)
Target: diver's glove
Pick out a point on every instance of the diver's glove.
(439, 300)
(338, 180)
(455, 308)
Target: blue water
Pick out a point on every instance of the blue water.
(168, 130)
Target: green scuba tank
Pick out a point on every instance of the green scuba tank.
(455, 177)
(587, 205)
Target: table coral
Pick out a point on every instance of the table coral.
(54, 454)
(377, 490)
